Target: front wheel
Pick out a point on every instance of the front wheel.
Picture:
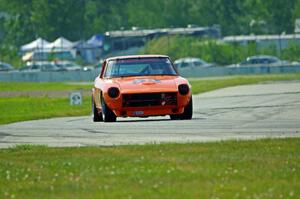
(97, 117)
(107, 114)
(187, 114)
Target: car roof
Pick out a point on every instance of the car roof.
(4, 63)
(263, 57)
(188, 59)
(136, 57)
(39, 62)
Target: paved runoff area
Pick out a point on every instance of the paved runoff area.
(242, 112)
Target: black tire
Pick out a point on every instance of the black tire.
(175, 117)
(187, 114)
(107, 114)
(188, 111)
(96, 116)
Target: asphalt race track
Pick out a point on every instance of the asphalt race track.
(242, 112)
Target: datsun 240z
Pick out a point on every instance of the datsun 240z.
(140, 86)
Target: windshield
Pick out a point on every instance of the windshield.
(139, 67)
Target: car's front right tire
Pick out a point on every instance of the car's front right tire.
(97, 117)
(107, 114)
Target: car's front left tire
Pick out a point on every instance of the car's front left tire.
(187, 114)
(188, 111)
(97, 117)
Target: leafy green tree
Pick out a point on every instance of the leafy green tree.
(145, 13)
(101, 16)
(281, 19)
(79, 19)
(54, 18)
(296, 12)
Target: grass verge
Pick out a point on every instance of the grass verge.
(41, 86)
(14, 109)
(231, 169)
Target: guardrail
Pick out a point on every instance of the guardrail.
(186, 72)
(249, 70)
(60, 76)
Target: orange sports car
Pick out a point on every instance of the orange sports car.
(140, 86)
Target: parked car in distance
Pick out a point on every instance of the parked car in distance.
(140, 86)
(88, 68)
(40, 66)
(191, 62)
(5, 66)
(68, 65)
(262, 60)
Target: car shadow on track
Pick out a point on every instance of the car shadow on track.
(143, 120)
(155, 120)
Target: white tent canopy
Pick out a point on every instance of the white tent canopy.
(60, 43)
(39, 43)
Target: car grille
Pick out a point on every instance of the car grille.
(149, 99)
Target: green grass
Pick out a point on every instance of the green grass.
(14, 109)
(231, 169)
(41, 86)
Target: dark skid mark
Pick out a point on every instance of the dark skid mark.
(250, 107)
(75, 120)
(3, 134)
(44, 136)
(268, 94)
(16, 143)
(141, 133)
(93, 131)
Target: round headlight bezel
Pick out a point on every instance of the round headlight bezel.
(183, 89)
(113, 92)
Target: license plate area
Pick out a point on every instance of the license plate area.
(138, 113)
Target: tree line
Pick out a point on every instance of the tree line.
(23, 20)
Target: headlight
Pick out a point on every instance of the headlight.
(183, 89)
(113, 92)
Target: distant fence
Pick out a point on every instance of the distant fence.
(186, 72)
(61, 76)
(250, 70)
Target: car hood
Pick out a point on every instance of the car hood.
(147, 84)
